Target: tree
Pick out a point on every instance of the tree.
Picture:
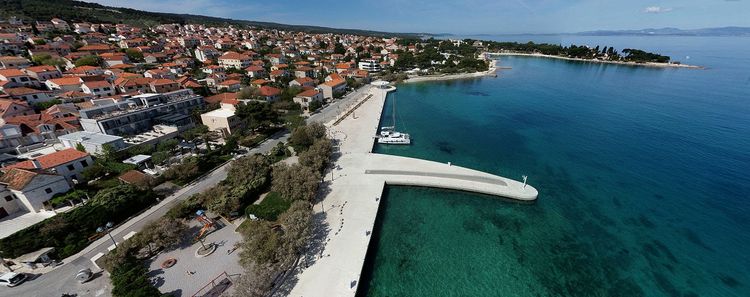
(257, 115)
(256, 281)
(261, 245)
(134, 55)
(304, 136)
(163, 233)
(318, 155)
(90, 60)
(338, 48)
(253, 172)
(295, 182)
(297, 222)
(80, 147)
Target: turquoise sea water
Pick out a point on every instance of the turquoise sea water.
(643, 177)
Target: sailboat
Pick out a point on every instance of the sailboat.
(388, 135)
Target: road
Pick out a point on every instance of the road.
(61, 279)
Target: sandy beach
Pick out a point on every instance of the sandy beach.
(490, 71)
(648, 64)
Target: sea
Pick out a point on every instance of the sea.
(643, 177)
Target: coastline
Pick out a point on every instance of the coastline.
(625, 63)
(490, 71)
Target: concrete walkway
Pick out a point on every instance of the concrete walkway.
(351, 197)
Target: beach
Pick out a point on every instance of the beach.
(423, 78)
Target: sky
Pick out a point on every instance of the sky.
(467, 16)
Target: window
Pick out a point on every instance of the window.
(9, 198)
(84, 163)
(71, 167)
(48, 190)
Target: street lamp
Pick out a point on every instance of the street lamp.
(106, 228)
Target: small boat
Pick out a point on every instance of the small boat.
(388, 135)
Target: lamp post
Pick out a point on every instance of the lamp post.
(106, 228)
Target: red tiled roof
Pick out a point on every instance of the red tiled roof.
(269, 91)
(220, 97)
(234, 56)
(52, 160)
(308, 93)
(11, 72)
(66, 81)
(17, 179)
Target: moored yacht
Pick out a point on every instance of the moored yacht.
(388, 136)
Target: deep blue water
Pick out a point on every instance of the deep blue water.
(643, 177)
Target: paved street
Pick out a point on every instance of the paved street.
(60, 280)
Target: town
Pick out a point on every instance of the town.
(186, 136)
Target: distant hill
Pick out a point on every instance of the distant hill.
(721, 31)
(78, 11)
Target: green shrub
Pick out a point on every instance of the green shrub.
(270, 208)
(69, 232)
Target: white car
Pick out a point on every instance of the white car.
(12, 279)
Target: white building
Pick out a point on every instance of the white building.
(29, 189)
(68, 163)
(92, 142)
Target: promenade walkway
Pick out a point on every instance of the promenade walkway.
(352, 197)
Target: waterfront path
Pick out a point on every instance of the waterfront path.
(61, 279)
(351, 196)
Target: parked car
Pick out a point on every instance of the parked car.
(84, 275)
(12, 279)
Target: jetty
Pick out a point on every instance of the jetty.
(353, 189)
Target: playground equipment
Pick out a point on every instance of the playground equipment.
(208, 224)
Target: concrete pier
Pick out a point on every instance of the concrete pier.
(354, 188)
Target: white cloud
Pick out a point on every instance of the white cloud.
(657, 9)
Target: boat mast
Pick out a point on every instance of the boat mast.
(394, 112)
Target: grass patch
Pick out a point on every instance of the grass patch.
(270, 208)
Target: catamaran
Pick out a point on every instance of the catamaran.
(388, 135)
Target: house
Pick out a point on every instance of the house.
(86, 71)
(303, 82)
(98, 88)
(68, 163)
(276, 75)
(268, 93)
(164, 85)
(30, 188)
(223, 120)
(29, 95)
(255, 71)
(82, 28)
(259, 83)
(17, 78)
(205, 53)
(92, 142)
(60, 24)
(64, 84)
(333, 86)
(7, 62)
(308, 96)
(230, 85)
(13, 108)
(43, 73)
(126, 85)
(234, 60)
(304, 71)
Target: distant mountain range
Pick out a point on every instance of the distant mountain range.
(720, 31)
(79, 11)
